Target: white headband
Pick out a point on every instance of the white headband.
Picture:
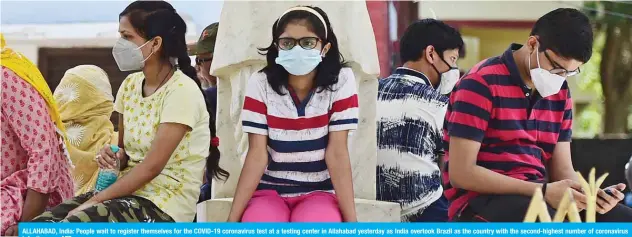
(307, 9)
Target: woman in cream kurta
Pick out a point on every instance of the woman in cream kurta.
(164, 135)
(177, 188)
(173, 194)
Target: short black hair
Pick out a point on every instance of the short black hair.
(567, 32)
(422, 33)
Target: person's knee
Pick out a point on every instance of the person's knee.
(318, 208)
(266, 209)
(96, 213)
(499, 208)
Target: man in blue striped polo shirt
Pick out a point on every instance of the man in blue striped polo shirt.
(411, 107)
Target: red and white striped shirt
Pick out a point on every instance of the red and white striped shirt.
(298, 130)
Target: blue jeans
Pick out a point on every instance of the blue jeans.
(436, 212)
(205, 192)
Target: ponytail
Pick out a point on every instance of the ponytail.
(184, 64)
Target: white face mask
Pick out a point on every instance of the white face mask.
(448, 81)
(128, 56)
(546, 83)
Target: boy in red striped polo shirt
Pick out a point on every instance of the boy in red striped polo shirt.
(508, 127)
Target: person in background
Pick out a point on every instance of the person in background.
(84, 97)
(411, 106)
(509, 127)
(203, 51)
(35, 167)
(298, 111)
(165, 135)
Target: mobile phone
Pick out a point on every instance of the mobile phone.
(609, 192)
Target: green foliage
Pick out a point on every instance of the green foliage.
(608, 12)
(590, 78)
(630, 121)
(589, 121)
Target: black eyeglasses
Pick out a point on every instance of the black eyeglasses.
(559, 70)
(305, 42)
(199, 61)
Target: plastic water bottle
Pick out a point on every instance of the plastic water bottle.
(107, 177)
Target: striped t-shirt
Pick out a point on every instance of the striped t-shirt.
(410, 114)
(518, 131)
(297, 131)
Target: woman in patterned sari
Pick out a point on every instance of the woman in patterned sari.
(85, 101)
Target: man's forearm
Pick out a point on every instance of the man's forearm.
(566, 174)
(560, 166)
(34, 205)
(485, 181)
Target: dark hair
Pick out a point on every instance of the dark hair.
(567, 32)
(328, 69)
(423, 33)
(159, 18)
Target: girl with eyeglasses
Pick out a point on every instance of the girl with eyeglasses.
(298, 111)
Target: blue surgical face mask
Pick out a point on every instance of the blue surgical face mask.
(299, 61)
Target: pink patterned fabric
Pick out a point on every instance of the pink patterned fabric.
(32, 157)
(268, 206)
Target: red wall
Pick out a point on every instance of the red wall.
(407, 12)
(378, 12)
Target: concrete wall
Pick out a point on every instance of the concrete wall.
(378, 12)
(490, 10)
(29, 38)
(494, 41)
